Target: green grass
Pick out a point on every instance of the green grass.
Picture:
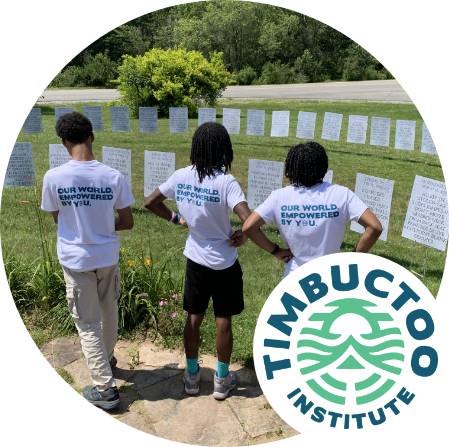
(154, 237)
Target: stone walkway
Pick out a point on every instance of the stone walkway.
(153, 399)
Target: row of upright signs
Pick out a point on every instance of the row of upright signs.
(404, 137)
(426, 221)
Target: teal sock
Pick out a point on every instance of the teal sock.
(192, 365)
(222, 369)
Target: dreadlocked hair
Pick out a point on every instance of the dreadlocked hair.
(306, 164)
(211, 150)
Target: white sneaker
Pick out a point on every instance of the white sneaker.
(223, 386)
(192, 382)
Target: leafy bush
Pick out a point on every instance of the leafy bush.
(310, 67)
(278, 73)
(97, 71)
(171, 78)
(246, 76)
(71, 76)
(359, 65)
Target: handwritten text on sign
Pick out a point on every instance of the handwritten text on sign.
(57, 155)
(377, 194)
(263, 177)
(231, 120)
(427, 219)
(159, 166)
(20, 170)
(119, 159)
(120, 119)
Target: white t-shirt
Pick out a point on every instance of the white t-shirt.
(86, 193)
(311, 220)
(205, 207)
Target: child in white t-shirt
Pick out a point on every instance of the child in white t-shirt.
(83, 195)
(311, 215)
(205, 195)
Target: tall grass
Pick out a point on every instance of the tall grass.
(148, 299)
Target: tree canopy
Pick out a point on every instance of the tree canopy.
(260, 43)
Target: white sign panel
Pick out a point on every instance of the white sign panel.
(329, 176)
(255, 123)
(58, 155)
(380, 131)
(95, 115)
(59, 111)
(263, 177)
(120, 119)
(119, 159)
(357, 127)
(427, 144)
(20, 170)
(280, 123)
(331, 126)
(231, 120)
(427, 219)
(159, 166)
(206, 115)
(405, 135)
(376, 193)
(33, 122)
(148, 119)
(306, 125)
(179, 119)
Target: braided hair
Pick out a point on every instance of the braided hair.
(211, 150)
(306, 164)
(74, 127)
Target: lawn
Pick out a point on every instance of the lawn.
(154, 238)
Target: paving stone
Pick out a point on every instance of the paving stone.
(152, 397)
(255, 414)
(202, 420)
(62, 351)
(150, 355)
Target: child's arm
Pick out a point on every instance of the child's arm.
(251, 228)
(155, 203)
(373, 230)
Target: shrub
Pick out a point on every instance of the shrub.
(310, 67)
(171, 78)
(71, 76)
(99, 71)
(246, 76)
(359, 65)
(278, 73)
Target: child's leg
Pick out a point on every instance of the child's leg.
(192, 340)
(224, 342)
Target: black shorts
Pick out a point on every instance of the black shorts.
(224, 286)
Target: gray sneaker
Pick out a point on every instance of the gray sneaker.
(192, 382)
(222, 387)
(107, 399)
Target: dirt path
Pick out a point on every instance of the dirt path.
(153, 400)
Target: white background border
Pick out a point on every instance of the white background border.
(39, 37)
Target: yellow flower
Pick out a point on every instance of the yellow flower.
(147, 262)
(131, 263)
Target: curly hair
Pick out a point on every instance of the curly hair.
(211, 150)
(306, 164)
(74, 127)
